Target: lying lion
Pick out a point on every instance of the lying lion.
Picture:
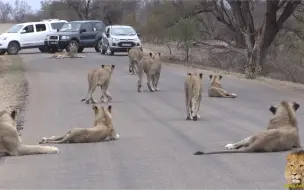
(216, 90)
(70, 54)
(280, 135)
(103, 128)
(294, 170)
(10, 141)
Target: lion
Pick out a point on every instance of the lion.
(135, 54)
(152, 67)
(193, 90)
(216, 90)
(280, 135)
(102, 129)
(99, 77)
(294, 170)
(11, 144)
(70, 54)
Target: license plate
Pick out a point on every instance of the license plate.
(126, 44)
(53, 42)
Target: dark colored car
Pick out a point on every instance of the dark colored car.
(80, 34)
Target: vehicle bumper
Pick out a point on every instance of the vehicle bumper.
(4, 44)
(62, 44)
(116, 48)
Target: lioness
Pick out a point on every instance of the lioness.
(10, 141)
(280, 135)
(135, 54)
(193, 90)
(71, 54)
(152, 67)
(216, 90)
(99, 77)
(103, 128)
(294, 170)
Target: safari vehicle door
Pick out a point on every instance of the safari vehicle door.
(87, 35)
(41, 32)
(28, 36)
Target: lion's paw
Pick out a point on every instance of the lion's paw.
(53, 150)
(43, 140)
(117, 136)
(234, 95)
(229, 146)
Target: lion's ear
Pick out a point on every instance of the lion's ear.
(94, 107)
(189, 74)
(14, 114)
(220, 76)
(201, 75)
(159, 53)
(113, 66)
(210, 76)
(150, 54)
(110, 108)
(296, 106)
(272, 109)
(102, 66)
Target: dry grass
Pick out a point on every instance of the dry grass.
(4, 27)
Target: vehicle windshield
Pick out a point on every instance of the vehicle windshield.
(70, 27)
(57, 25)
(15, 29)
(123, 31)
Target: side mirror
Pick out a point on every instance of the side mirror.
(23, 31)
(83, 30)
(138, 34)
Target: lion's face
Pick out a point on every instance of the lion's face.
(108, 67)
(280, 108)
(215, 77)
(294, 170)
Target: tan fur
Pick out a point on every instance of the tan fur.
(10, 141)
(294, 170)
(216, 90)
(71, 54)
(193, 91)
(151, 66)
(99, 77)
(103, 128)
(135, 54)
(280, 135)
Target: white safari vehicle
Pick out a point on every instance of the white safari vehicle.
(28, 35)
(119, 38)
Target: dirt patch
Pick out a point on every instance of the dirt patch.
(175, 59)
(14, 86)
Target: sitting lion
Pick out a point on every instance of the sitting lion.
(216, 90)
(103, 128)
(294, 170)
(135, 54)
(99, 77)
(280, 135)
(10, 141)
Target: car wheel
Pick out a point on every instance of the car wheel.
(13, 48)
(53, 50)
(80, 49)
(2, 52)
(109, 52)
(72, 43)
(98, 46)
(44, 49)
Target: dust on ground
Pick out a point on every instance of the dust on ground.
(173, 59)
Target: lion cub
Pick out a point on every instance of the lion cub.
(294, 170)
(103, 128)
(280, 135)
(152, 67)
(216, 90)
(135, 54)
(193, 91)
(99, 77)
(10, 140)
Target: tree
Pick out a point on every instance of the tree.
(20, 10)
(5, 10)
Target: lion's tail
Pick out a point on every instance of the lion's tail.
(245, 150)
(37, 149)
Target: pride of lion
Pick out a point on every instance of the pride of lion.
(281, 134)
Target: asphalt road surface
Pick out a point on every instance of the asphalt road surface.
(156, 144)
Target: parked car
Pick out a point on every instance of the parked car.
(119, 38)
(28, 35)
(80, 34)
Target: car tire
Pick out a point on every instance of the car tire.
(2, 52)
(44, 49)
(53, 50)
(108, 51)
(13, 48)
(72, 43)
(80, 49)
(98, 46)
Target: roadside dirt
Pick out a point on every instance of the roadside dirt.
(14, 86)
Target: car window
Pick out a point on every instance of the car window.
(57, 25)
(29, 29)
(98, 26)
(123, 31)
(40, 27)
(88, 26)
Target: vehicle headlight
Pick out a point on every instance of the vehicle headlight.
(3, 37)
(65, 37)
(115, 40)
(137, 40)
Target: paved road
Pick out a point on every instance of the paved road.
(156, 145)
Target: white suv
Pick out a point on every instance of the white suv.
(119, 38)
(28, 35)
